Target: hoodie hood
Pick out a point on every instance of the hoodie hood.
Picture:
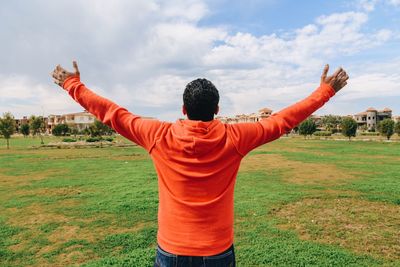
(198, 137)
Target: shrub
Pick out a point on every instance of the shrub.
(369, 134)
(60, 129)
(323, 133)
(69, 140)
(93, 139)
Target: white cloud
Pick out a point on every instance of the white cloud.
(372, 85)
(330, 37)
(373, 80)
(23, 96)
(370, 5)
(367, 5)
(394, 2)
(275, 71)
(186, 10)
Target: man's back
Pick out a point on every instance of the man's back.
(197, 164)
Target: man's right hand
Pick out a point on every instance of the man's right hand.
(60, 74)
(338, 80)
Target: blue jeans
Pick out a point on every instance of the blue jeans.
(166, 259)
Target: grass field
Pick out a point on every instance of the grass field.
(297, 203)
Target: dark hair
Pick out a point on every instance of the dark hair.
(201, 100)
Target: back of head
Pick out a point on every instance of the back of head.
(201, 100)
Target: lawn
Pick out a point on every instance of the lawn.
(297, 203)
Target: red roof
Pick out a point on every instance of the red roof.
(265, 110)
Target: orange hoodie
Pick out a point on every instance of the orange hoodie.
(197, 163)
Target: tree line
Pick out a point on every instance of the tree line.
(347, 126)
(37, 127)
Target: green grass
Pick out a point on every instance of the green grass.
(98, 206)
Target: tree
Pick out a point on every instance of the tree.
(86, 131)
(349, 127)
(397, 128)
(7, 127)
(331, 122)
(60, 130)
(386, 128)
(99, 129)
(307, 127)
(37, 126)
(25, 129)
(73, 130)
(363, 127)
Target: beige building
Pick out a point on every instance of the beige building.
(371, 117)
(253, 117)
(19, 122)
(26, 120)
(80, 120)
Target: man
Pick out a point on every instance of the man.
(197, 161)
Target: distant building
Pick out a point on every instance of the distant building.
(80, 120)
(19, 122)
(371, 117)
(25, 120)
(253, 117)
(318, 121)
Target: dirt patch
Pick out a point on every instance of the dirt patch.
(295, 146)
(378, 159)
(21, 246)
(130, 157)
(362, 226)
(34, 215)
(26, 179)
(57, 192)
(70, 232)
(78, 254)
(75, 257)
(297, 172)
(65, 233)
(74, 154)
(332, 193)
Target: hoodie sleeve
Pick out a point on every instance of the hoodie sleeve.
(141, 131)
(247, 136)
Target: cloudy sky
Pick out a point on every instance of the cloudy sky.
(142, 53)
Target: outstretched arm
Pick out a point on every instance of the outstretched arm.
(247, 136)
(141, 131)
